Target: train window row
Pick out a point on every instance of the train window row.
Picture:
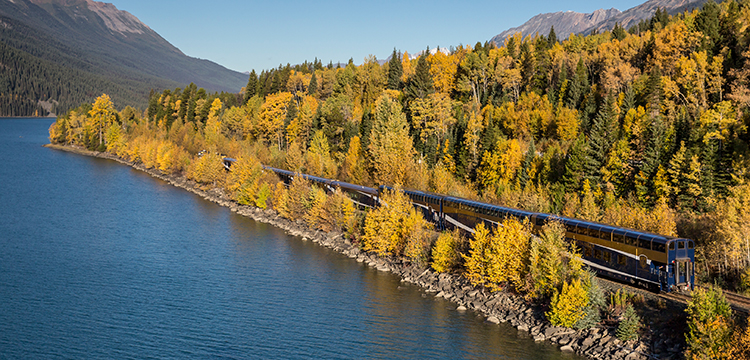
(610, 257)
(619, 236)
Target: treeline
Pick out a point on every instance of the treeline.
(643, 127)
(546, 270)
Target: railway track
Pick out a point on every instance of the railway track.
(739, 303)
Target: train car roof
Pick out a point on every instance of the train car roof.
(347, 185)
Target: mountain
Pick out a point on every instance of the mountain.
(645, 11)
(70, 51)
(565, 23)
(569, 22)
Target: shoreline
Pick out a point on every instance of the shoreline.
(500, 307)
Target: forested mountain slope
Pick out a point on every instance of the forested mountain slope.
(71, 50)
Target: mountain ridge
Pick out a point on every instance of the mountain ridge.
(567, 22)
(104, 42)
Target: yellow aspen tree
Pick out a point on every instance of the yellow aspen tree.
(568, 306)
(475, 262)
(271, 117)
(391, 149)
(353, 169)
(102, 115)
(432, 116)
(443, 68)
(446, 255)
(407, 66)
(213, 125)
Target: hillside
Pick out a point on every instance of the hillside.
(84, 48)
(567, 22)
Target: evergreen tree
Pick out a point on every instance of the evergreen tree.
(602, 137)
(578, 86)
(574, 165)
(708, 22)
(618, 32)
(551, 38)
(395, 70)
(252, 87)
(420, 84)
(523, 173)
(312, 89)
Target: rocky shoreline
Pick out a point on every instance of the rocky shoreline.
(595, 343)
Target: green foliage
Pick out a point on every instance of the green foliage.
(552, 261)
(629, 325)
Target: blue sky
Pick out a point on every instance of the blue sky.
(246, 35)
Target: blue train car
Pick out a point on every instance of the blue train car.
(363, 196)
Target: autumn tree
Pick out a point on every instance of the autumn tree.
(391, 148)
(710, 325)
(102, 115)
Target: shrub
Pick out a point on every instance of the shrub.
(710, 325)
(207, 169)
(394, 226)
(445, 254)
(499, 257)
(264, 193)
(567, 306)
(629, 325)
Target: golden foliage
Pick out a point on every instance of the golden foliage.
(207, 169)
(499, 257)
(446, 254)
(391, 148)
(568, 306)
(394, 227)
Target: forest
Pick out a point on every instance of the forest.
(644, 128)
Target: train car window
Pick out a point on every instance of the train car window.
(607, 256)
(622, 260)
(690, 244)
(587, 252)
(644, 243)
(680, 244)
(618, 238)
(597, 253)
(671, 246)
(658, 247)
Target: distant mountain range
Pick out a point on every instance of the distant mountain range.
(570, 22)
(70, 51)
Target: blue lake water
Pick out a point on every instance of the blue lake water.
(98, 260)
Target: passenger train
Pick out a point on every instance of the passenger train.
(640, 258)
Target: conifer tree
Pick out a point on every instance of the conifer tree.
(420, 85)
(313, 87)
(579, 86)
(552, 37)
(395, 70)
(618, 32)
(601, 139)
(252, 86)
(523, 173)
(574, 165)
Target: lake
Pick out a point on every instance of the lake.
(100, 260)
